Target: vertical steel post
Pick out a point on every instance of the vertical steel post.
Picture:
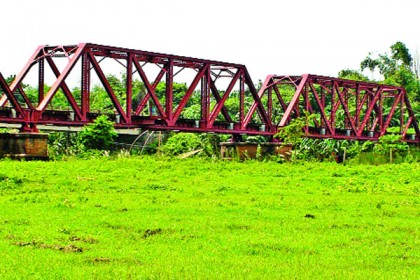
(401, 110)
(323, 100)
(41, 79)
(169, 94)
(357, 117)
(205, 97)
(306, 100)
(270, 104)
(129, 88)
(347, 124)
(241, 99)
(85, 86)
(380, 112)
(333, 111)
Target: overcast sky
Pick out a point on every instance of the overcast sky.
(269, 37)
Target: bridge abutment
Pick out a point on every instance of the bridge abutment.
(29, 146)
(243, 150)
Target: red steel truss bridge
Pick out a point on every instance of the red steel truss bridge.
(222, 94)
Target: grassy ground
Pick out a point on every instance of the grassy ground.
(154, 218)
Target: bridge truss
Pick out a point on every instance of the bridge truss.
(223, 94)
(339, 108)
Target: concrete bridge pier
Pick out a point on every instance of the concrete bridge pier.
(29, 146)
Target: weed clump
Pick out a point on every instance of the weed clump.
(150, 232)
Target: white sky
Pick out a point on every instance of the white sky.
(269, 37)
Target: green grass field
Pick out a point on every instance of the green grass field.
(160, 218)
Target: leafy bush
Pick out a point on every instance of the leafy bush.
(293, 133)
(255, 139)
(181, 143)
(98, 135)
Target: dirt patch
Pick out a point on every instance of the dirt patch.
(101, 260)
(151, 232)
(71, 248)
(89, 240)
(74, 238)
(24, 244)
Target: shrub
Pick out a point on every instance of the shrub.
(392, 145)
(210, 142)
(98, 135)
(293, 133)
(326, 149)
(181, 143)
(61, 144)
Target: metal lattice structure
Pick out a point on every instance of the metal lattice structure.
(341, 109)
(228, 100)
(166, 116)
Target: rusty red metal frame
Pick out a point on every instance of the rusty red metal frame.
(207, 72)
(343, 109)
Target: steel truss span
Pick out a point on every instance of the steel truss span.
(223, 93)
(338, 108)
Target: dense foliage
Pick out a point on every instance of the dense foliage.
(182, 143)
(397, 67)
(98, 135)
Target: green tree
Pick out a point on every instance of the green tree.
(352, 75)
(396, 67)
(10, 79)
